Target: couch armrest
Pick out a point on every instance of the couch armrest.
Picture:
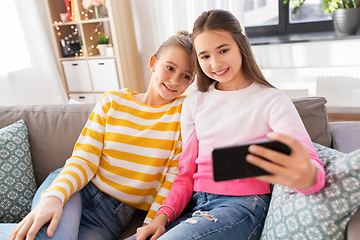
(345, 136)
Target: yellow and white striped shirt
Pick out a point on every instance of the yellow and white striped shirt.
(128, 150)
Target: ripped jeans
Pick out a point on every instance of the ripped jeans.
(221, 217)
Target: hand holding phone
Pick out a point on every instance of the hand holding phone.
(230, 163)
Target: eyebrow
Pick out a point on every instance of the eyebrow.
(177, 66)
(221, 46)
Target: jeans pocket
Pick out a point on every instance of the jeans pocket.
(123, 214)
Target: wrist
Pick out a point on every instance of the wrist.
(161, 219)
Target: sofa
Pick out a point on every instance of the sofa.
(54, 129)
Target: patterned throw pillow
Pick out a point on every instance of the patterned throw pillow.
(17, 179)
(322, 215)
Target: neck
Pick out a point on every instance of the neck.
(237, 83)
(150, 99)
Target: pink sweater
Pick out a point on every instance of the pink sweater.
(225, 118)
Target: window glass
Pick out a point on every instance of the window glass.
(261, 13)
(310, 11)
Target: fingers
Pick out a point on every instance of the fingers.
(294, 170)
(54, 223)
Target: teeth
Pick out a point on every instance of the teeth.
(169, 88)
(221, 71)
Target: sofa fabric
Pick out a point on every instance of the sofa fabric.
(313, 113)
(346, 136)
(53, 131)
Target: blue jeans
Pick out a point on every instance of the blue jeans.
(217, 217)
(88, 214)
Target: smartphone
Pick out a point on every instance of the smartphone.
(229, 162)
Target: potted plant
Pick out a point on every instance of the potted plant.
(81, 43)
(346, 14)
(102, 41)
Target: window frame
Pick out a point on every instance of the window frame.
(285, 27)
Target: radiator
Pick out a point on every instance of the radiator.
(340, 85)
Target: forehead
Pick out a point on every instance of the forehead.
(177, 56)
(210, 39)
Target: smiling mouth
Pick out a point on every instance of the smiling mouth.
(222, 72)
(172, 90)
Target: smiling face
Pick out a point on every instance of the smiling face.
(220, 59)
(172, 74)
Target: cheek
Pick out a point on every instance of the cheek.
(203, 66)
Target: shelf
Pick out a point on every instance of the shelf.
(86, 73)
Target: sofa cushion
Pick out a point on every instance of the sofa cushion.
(322, 215)
(53, 131)
(17, 179)
(314, 115)
(345, 136)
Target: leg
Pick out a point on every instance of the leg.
(68, 226)
(222, 217)
(6, 229)
(103, 217)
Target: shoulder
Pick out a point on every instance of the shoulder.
(271, 94)
(192, 96)
(115, 95)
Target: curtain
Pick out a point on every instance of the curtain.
(33, 77)
(157, 20)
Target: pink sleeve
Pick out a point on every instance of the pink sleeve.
(284, 118)
(320, 180)
(182, 190)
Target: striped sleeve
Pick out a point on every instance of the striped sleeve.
(84, 162)
(171, 172)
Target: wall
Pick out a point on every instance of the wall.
(324, 68)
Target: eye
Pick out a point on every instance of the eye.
(187, 77)
(204, 57)
(170, 68)
(224, 50)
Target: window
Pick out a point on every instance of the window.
(14, 53)
(271, 17)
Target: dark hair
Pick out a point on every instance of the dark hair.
(226, 21)
(183, 40)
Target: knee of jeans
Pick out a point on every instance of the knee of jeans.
(203, 214)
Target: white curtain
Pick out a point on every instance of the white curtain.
(156, 20)
(29, 74)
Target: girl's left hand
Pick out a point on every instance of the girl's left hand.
(294, 170)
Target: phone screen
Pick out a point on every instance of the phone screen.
(229, 162)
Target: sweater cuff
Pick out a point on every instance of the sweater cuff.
(320, 180)
(168, 212)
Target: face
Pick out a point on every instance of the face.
(220, 59)
(172, 73)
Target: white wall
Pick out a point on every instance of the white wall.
(324, 68)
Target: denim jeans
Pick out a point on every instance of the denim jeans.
(88, 214)
(217, 217)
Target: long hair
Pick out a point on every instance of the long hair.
(224, 20)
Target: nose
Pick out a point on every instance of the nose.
(175, 79)
(216, 63)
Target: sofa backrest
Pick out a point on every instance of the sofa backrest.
(53, 131)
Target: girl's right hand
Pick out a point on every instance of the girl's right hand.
(154, 230)
(48, 209)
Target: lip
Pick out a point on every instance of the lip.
(168, 88)
(222, 72)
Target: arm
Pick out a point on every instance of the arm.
(171, 172)
(83, 164)
(182, 189)
(76, 173)
(302, 169)
(179, 195)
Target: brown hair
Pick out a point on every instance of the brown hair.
(183, 40)
(224, 20)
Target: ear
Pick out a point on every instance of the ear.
(152, 63)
